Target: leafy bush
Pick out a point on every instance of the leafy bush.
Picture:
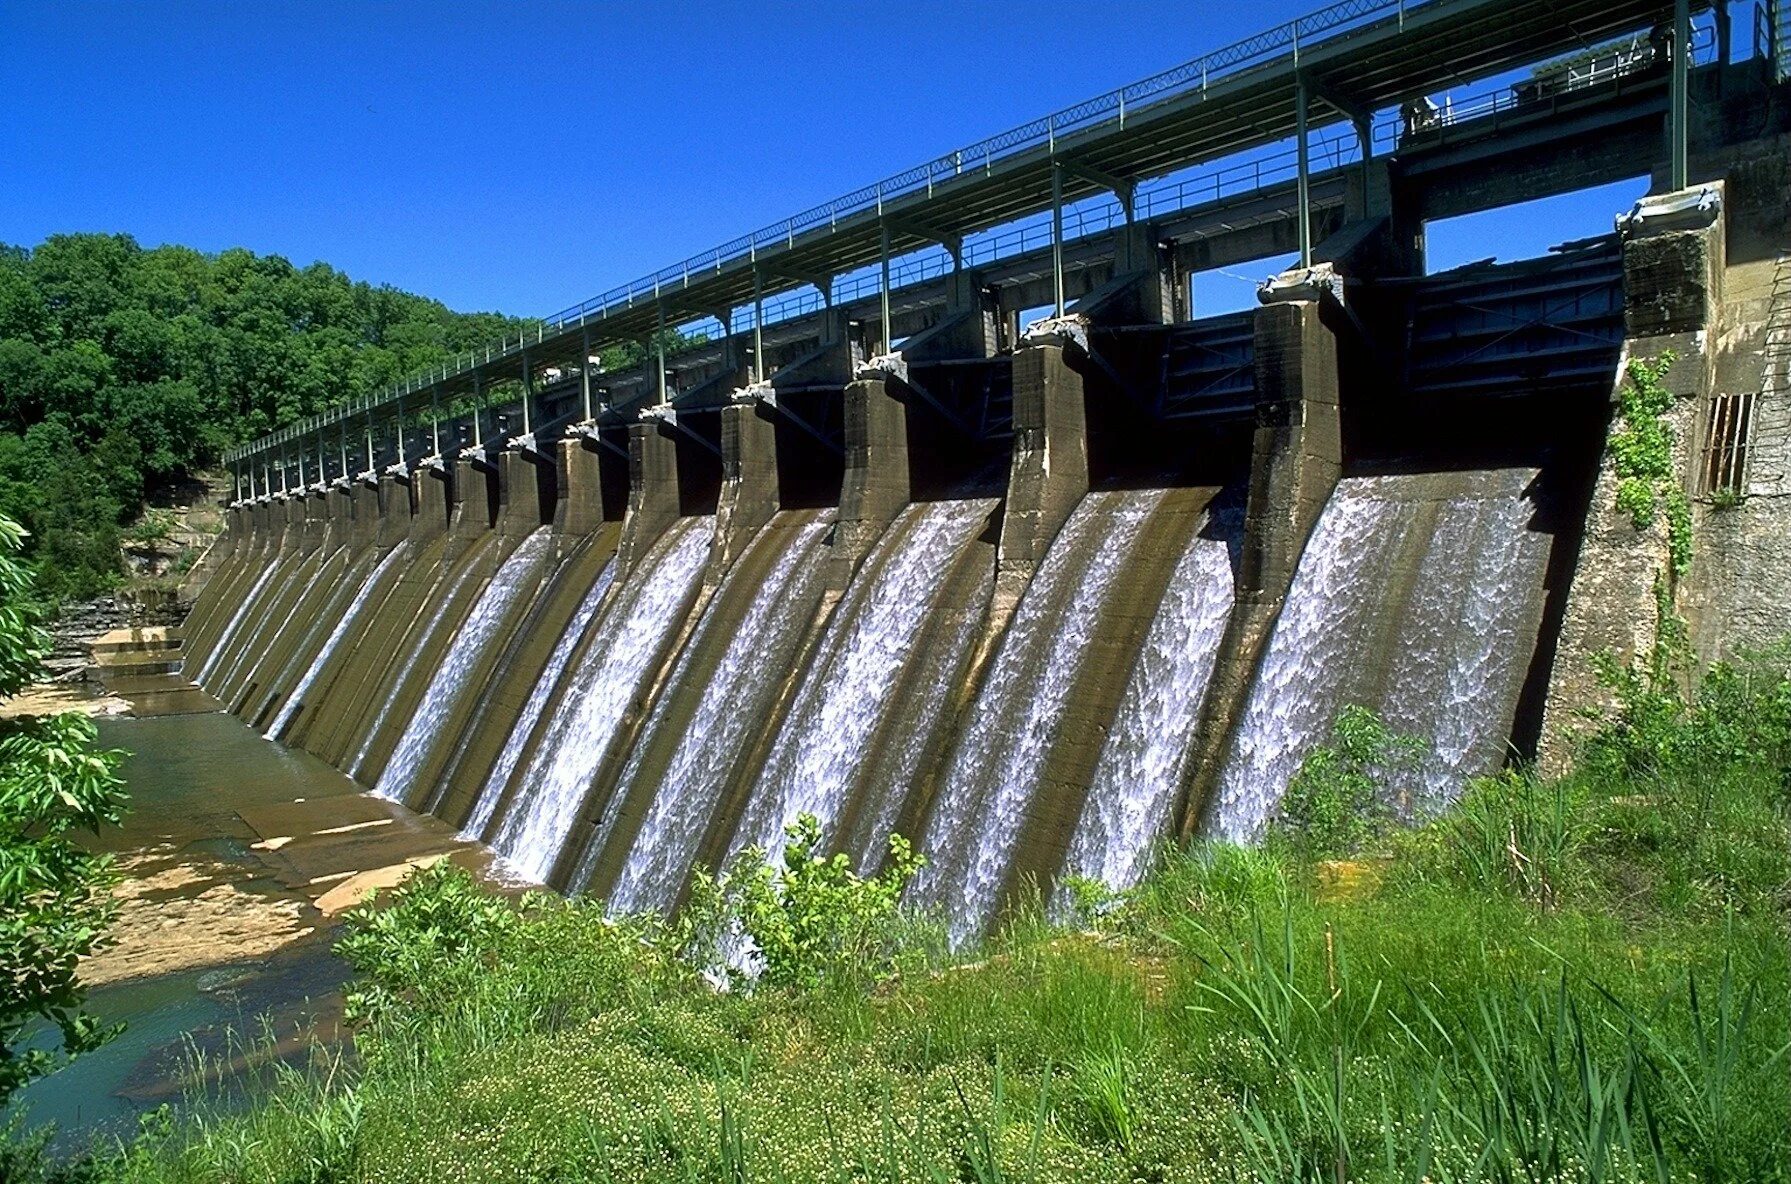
(810, 920)
(54, 893)
(1339, 803)
(423, 949)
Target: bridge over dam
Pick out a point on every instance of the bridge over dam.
(852, 534)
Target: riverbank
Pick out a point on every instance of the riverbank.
(236, 861)
(1567, 980)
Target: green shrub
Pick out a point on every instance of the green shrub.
(810, 920)
(55, 899)
(1339, 803)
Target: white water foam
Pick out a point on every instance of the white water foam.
(520, 574)
(524, 727)
(732, 705)
(1142, 765)
(848, 693)
(1455, 651)
(1001, 755)
(627, 643)
(296, 699)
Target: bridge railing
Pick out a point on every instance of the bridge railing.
(1282, 43)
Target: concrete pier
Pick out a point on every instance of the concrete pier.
(1048, 473)
(1297, 459)
(653, 497)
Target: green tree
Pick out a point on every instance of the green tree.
(54, 903)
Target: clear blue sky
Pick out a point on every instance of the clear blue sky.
(522, 157)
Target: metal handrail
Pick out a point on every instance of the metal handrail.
(1114, 107)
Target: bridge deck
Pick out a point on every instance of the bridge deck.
(1360, 56)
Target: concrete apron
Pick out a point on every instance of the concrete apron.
(295, 618)
(524, 508)
(287, 551)
(445, 549)
(316, 616)
(490, 519)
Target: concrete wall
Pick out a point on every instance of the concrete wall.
(1297, 460)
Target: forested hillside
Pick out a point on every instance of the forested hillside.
(124, 370)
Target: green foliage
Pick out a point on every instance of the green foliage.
(1530, 993)
(811, 919)
(123, 370)
(1642, 452)
(1339, 803)
(54, 899)
(422, 948)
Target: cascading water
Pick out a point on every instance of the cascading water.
(493, 789)
(627, 643)
(735, 696)
(520, 574)
(236, 619)
(850, 691)
(1007, 739)
(336, 591)
(296, 699)
(1468, 635)
(1142, 764)
(440, 602)
(1432, 628)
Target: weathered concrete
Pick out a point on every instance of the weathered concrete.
(749, 489)
(396, 508)
(581, 509)
(877, 481)
(1048, 473)
(652, 491)
(526, 494)
(1672, 287)
(1102, 675)
(1297, 459)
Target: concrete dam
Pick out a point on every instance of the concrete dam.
(864, 540)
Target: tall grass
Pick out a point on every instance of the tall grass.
(1578, 979)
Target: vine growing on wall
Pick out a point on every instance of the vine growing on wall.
(1643, 454)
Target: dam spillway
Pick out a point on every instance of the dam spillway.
(1042, 598)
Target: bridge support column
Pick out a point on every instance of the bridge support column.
(1296, 462)
(1049, 471)
(652, 492)
(749, 493)
(526, 493)
(1672, 280)
(476, 501)
(877, 480)
(433, 491)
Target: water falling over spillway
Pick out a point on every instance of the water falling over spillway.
(356, 607)
(448, 684)
(1007, 738)
(492, 791)
(229, 633)
(1142, 765)
(625, 644)
(851, 690)
(420, 643)
(1418, 596)
(735, 695)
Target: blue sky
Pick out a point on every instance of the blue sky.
(524, 156)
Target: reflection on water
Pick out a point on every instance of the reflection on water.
(219, 941)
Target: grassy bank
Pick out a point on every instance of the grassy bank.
(1577, 979)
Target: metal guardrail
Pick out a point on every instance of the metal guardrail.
(1283, 42)
(1093, 215)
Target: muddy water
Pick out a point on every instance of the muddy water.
(238, 859)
